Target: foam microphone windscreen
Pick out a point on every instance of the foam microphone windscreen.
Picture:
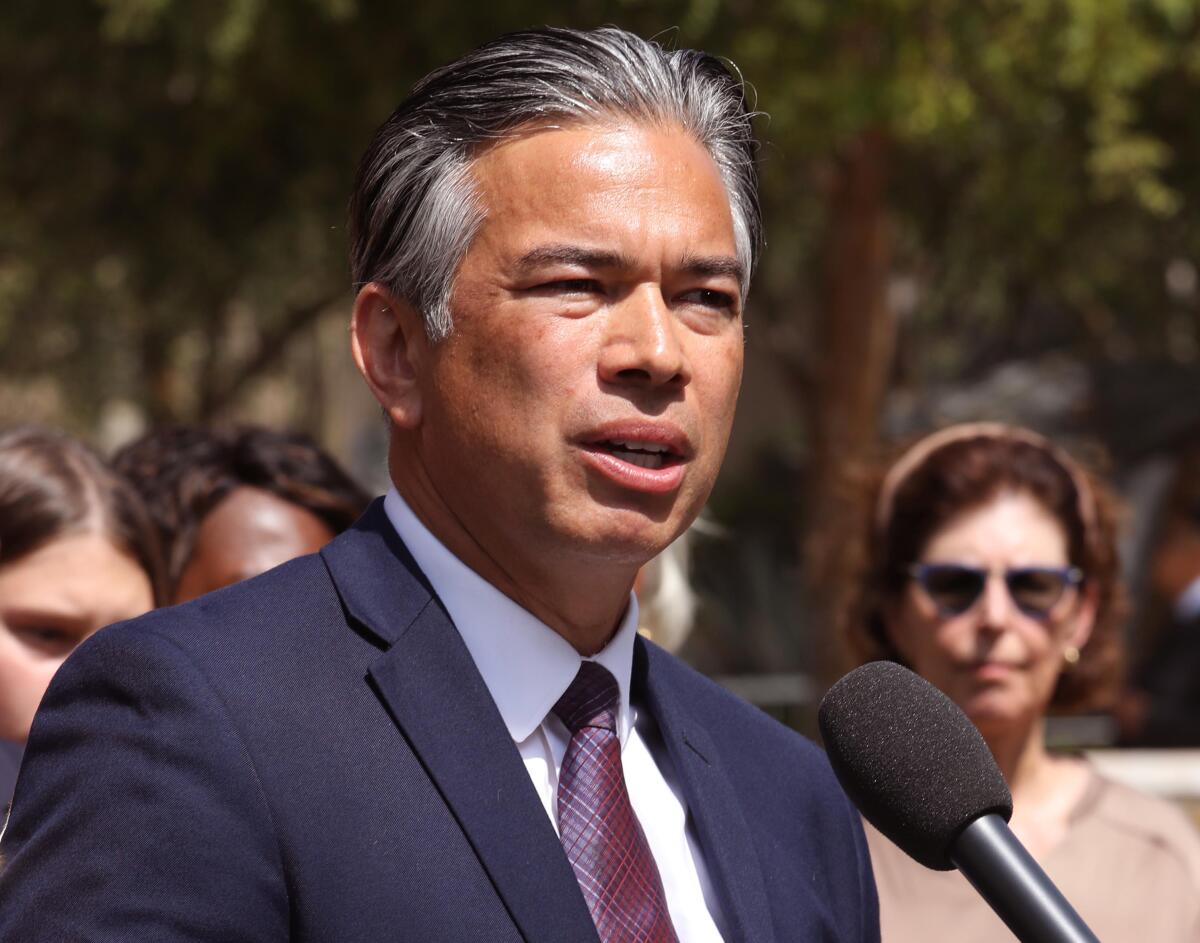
(909, 758)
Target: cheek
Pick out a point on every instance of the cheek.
(932, 647)
(515, 359)
(1044, 653)
(720, 362)
(494, 390)
(913, 628)
(24, 678)
(717, 380)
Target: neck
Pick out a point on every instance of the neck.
(1045, 789)
(1020, 752)
(1036, 778)
(583, 600)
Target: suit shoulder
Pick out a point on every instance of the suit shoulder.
(254, 611)
(733, 722)
(245, 638)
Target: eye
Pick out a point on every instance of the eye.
(711, 298)
(47, 638)
(571, 286)
(953, 588)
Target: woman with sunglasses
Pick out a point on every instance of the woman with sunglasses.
(990, 568)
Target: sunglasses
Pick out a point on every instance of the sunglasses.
(1035, 590)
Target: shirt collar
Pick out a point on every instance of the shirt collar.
(525, 664)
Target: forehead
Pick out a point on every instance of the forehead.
(1012, 527)
(78, 569)
(250, 517)
(604, 179)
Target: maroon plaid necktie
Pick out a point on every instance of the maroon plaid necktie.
(599, 831)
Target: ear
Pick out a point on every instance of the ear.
(388, 339)
(1081, 623)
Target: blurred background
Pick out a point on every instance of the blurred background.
(974, 210)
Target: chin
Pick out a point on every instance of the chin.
(629, 548)
(656, 522)
(996, 711)
(625, 538)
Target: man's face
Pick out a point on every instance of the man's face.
(584, 398)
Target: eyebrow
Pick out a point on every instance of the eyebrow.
(572, 255)
(25, 615)
(716, 266)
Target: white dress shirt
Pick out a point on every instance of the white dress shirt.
(527, 666)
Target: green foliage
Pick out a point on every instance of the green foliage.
(1041, 162)
(172, 170)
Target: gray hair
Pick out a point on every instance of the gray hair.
(414, 212)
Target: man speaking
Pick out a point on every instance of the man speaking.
(444, 726)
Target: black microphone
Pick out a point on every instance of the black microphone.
(920, 772)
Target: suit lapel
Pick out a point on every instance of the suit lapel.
(729, 855)
(431, 687)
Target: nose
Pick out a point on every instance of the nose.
(644, 346)
(996, 605)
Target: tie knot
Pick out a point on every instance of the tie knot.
(591, 700)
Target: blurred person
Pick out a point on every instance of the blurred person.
(990, 568)
(232, 503)
(1162, 706)
(444, 726)
(77, 552)
(666, 601)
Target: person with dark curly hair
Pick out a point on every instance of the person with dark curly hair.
(230, 504)
(77, 552)
(990, 568)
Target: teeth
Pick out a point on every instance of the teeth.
(639, 446)
(641, 459)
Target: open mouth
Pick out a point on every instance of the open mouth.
(642, 457)
(641, 454)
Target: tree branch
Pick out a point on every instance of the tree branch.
(271, 347)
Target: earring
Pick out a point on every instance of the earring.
(1071, 655)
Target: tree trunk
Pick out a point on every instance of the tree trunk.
(854, 342)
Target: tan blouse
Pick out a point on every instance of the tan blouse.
(1130, 864)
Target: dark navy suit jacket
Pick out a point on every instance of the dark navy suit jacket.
(312, 756)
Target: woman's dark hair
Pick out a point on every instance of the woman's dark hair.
(184, 472)
(964, 473)
(53, 486)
